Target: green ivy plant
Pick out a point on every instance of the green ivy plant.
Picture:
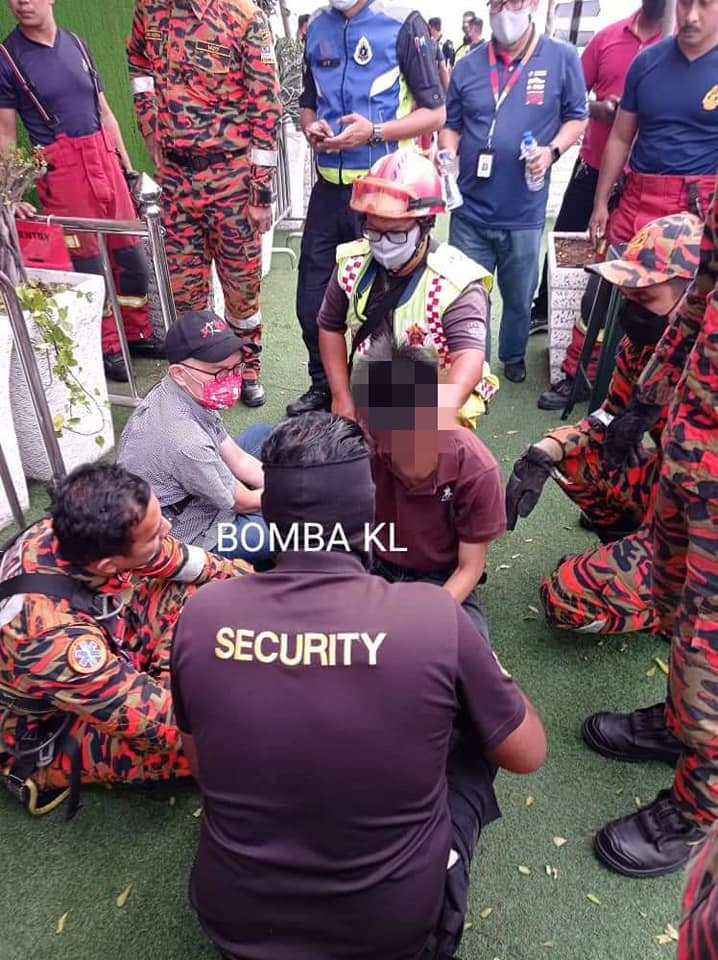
(38, 299)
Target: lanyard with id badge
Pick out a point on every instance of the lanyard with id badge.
(485, 166)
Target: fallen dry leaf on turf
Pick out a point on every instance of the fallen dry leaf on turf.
(468, 926)
(672, 932)
(642, 914)
(593, 898)
(504, 566)
(486, 912)
(524, 870)
(533, 609)
(528, 539)
(662, 665)
(547, 868)
(529, 801)
(530, 617)
(651, 672)
(559, 841)
(61, 923)
(638, 802)
(173, 801)
(197, 812)
(124, 896)
(515, 556)
(548, 944)
(510, 433)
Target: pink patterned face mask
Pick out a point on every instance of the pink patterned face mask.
(220, 393)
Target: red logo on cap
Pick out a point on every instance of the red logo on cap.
(212, 327)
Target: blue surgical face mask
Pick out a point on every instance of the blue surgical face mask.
(342, 5)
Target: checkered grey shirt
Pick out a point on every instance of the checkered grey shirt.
(173, 443)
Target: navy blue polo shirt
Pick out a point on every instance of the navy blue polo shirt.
(550, 91)
(676, 101)
(61, 80)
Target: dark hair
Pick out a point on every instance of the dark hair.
(468, 13)
(94, 511)
(313, 439)
(477, 23)
(435, 23)
(393, 377)
(302, 19)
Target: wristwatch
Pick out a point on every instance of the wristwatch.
(555, 153)
(377, 134)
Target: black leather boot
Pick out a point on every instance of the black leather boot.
(633, 737)
(650, 842)
(253, 393)
(315, 398)
(115, 368)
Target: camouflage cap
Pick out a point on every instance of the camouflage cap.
(663, 250)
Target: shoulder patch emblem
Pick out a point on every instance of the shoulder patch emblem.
(86, 655)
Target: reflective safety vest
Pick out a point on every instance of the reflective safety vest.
(418, 315)
(355, 69)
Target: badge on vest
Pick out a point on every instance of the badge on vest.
(710, 101)
(363, 53)
(86, 655)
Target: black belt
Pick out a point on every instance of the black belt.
(197, 162)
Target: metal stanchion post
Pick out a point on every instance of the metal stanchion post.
(147, 195)
(115, 305)
(32, 376)
(10, 491)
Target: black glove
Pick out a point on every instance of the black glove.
(530, 473)
(622, 443)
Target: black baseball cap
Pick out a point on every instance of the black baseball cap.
(202, 335)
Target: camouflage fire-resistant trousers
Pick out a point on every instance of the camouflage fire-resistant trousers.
(205, 217)
(685, 596)
(147, 627)
(606, 589)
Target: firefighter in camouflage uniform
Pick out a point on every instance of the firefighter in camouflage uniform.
(88, 603)
(608, 589)
(698, 935)
(683, 373)
(207, 103)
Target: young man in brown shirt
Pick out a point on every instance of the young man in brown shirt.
(438, 488)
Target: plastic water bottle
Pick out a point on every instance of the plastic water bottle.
(529, 149)
(449, 167)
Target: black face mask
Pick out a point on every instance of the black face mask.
(641, 326)
(654, 9)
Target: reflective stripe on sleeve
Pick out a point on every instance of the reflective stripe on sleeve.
(263, 158)
(142, 85)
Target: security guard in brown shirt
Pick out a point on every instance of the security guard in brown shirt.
(317, 704)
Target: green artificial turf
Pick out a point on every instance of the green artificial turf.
(145, 838)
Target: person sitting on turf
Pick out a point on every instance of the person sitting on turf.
(439, 491)
(608, 589)
(397, 280)
(209, 486)
(317, 704)
(89, 598)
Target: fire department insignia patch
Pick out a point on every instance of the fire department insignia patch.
(86, 655)
(363, 53)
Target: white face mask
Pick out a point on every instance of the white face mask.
(508, 26)
(393, 256)
(342, 5)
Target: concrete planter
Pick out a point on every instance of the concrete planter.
(566, 286)
(8, 439)
(93, 436)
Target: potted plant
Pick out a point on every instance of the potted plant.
(568, 253)
(63, 314)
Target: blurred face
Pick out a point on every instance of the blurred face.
(192, 374)
(465, 26)
(31, 13)
(697, 21)
(147, 536)
(661, 298)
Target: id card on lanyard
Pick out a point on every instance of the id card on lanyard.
(485, 166)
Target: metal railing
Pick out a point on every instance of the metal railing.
(147, 196)
(282, 189)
